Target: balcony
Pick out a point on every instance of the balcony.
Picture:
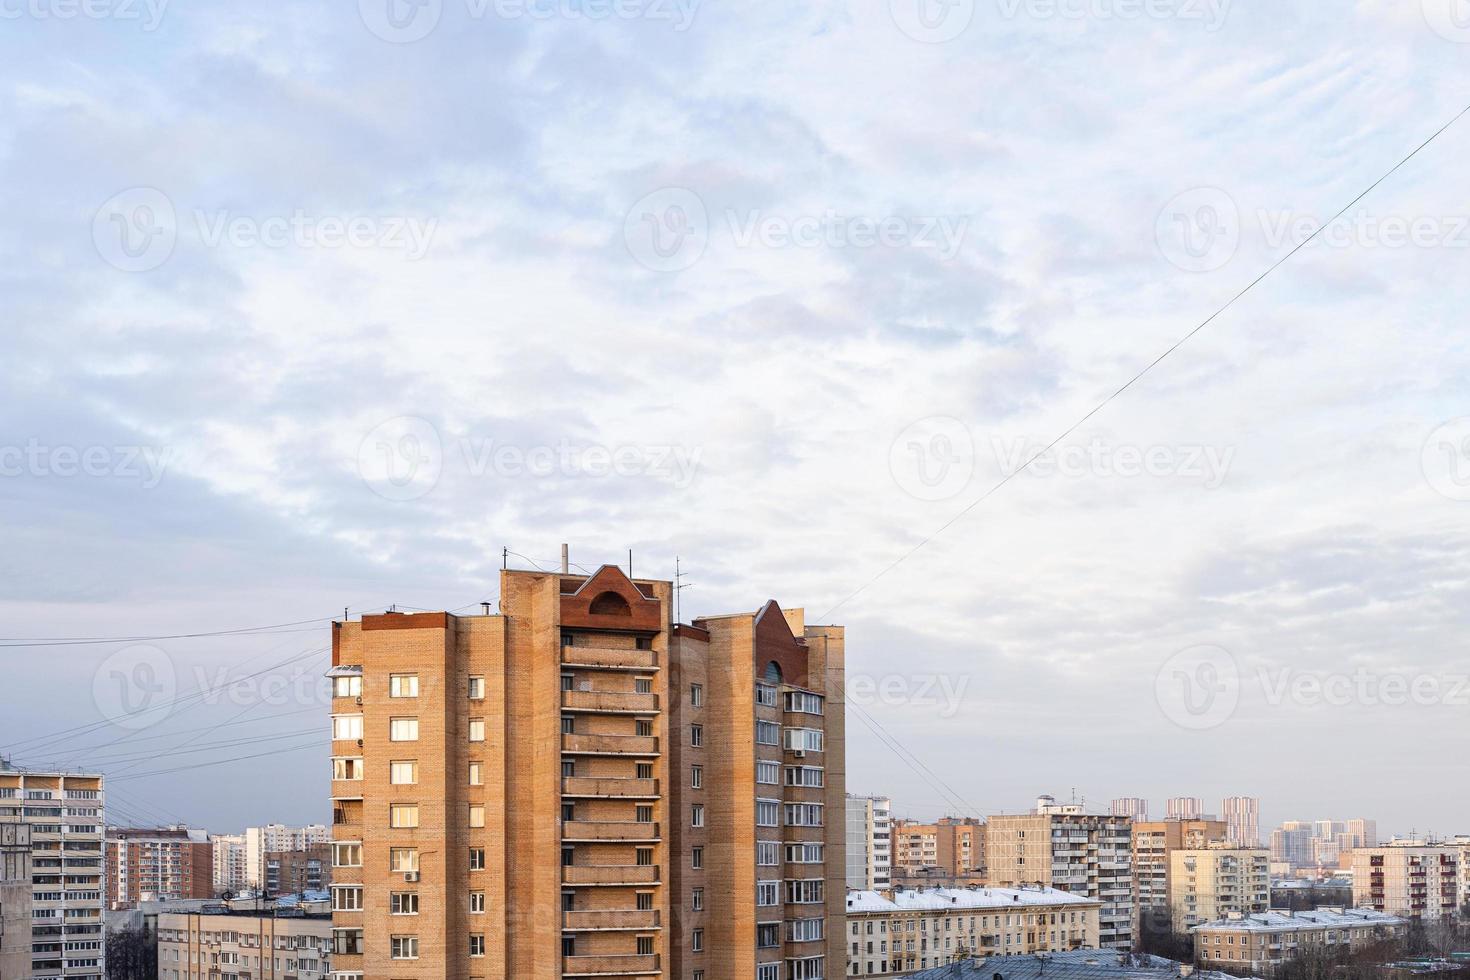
(606, 658)
(625, 874)
(610, 744)
(615, 920)
(610, 702)
(603, 787)
(597, 966)
(593, 831)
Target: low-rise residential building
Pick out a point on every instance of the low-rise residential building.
(1413, 879)
(265, 945)
(1060, 846)
(1154, 842)
(157, 863)
(1082, 964)
(1210, 883)
(1260, 943)
(869, 843)
(914, 930)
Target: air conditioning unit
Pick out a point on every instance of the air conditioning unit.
(359, 700)
(799, 753)
(584, 686)
(412, 877)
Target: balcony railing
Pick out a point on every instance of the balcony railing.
(610, 744)
(608, 830)
(608, 787)
(625, 702)
(623, 874)
(592, 966)
(610, 920)
(609, 658)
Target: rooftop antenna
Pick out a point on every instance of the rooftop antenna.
(679, 587)
(630, 562)
(504, 558)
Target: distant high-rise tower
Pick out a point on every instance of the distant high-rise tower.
(1131, 807)
(1363, 833)
(869, 843)
(1242, 816)
(1185, 808)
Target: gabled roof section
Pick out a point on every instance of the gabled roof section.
(609, 600)
(775, 643)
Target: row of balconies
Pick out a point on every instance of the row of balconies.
(628, 965)
(608, 658)
(610, 702)
(608, 787)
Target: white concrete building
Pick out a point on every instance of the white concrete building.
(869, 842)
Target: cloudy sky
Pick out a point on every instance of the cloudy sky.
(319, 306)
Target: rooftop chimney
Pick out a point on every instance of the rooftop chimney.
(566, 560)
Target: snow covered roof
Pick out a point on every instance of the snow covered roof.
(1301, 921)
(962, 899)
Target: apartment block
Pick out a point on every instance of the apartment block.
(1154, 842)
(1132, 807)
(577, 786)
(889, 935)
(294, 872)
(1242, 816)
(1210, 883)
(1415, 880)
(219, 944)
(949, 853)
(1184, 808)
(1361, 833)
(273, 838)
(1291, 844)
(231, 872)
(15, 900)
(154, 864)
(1259, 945)
(1060, 846)
(64, 812)
(869, 843)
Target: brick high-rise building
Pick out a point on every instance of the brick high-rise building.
(157, 863)
(1061, 846)
(294, 872)
(64, 812)
(949, 852)
(581, 787)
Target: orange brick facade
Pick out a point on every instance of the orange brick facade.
(576, 787)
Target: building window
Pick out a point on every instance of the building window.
(477, 944)
(696, 940)
(696, 695)
(568, 682)
(403, 859)
(767, 935)
(347, 728)
(477, 859)
(767, 893)
(642, 727)
(767, 813)
(477, 774)
(768, 971)
(477, 729)
(403, 773)
(477, 816)
(405, 947)
(403, 815)
(767, 733)
(477, 903)
(696, 858)
(805, 740)
(767, 772)
(403, 685)
(568, 724)
(813, 776)
(403, 730)
(347, 687)
(803, 814)
(767, 853)
(696, 815)
(346, 898)
(347, 768)
(765, 695)
(347, 855)
(696, 900)
(403, 903)
(643, 685)
(696, 735)
(696, 777)
(477, 688)
(804, 702)
(643, 857)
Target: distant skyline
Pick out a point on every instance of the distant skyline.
(304, 312)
